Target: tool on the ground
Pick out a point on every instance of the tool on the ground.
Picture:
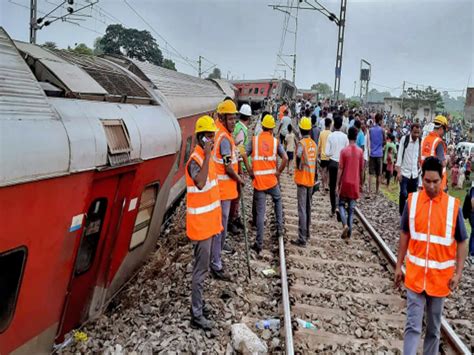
(244, 217)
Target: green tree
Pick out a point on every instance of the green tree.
(98, 48)
(50, 45)
(168, 64)
(418, 95)
(81, 48)
(322, 88)
(134, 44)
(216, 74)
(377, 96)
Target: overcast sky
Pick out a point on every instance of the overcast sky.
(425, 42)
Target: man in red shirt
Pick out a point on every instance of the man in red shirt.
(351, 167)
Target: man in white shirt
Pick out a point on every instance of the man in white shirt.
(407, 164)
(335, 143)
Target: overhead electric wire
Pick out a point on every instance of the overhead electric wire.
(186, 59)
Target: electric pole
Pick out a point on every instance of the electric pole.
(340, 45)
(200, 66)
(340, 22)
(355, 84)
(33, 24)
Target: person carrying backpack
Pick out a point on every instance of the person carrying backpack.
(407, 165)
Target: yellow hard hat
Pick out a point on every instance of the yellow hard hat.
(441, 120)
(268, 121)
(305, 123)
(205, 124)
(227, 107)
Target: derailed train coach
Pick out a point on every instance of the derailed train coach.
(91, 157)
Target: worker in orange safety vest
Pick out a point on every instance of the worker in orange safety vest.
(203, 213)
(305, 173)
(433, 243)
(264, 150)
(434, 146)
(226, 161)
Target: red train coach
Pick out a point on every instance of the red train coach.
(258, 90)
(88, 158)
(188, 97)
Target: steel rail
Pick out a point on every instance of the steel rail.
(286, 300)
(447, 330)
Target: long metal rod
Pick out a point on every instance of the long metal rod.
(449, 332)
(286, 300)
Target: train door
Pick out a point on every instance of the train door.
(102, 221)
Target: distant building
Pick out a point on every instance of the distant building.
(411, 108)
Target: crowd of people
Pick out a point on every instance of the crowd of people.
(330, 148)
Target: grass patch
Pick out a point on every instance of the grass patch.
(392, 193)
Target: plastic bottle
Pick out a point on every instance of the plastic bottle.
(305, 324)
(268, 324)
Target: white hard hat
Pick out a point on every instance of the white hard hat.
(245, 110)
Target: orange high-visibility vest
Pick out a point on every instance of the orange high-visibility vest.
(305, 175)
(281, 111)
(431, 255)
(203, 207)
(428, 149)
(264, 161)
(227, 185)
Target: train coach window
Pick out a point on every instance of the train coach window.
(261, 91)
(12, 265)
(145, 213)
(255, 91)
(187, 152)
(91, 235)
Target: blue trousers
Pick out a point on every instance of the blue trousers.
(347, 213)
(260, 199)
(407, 186)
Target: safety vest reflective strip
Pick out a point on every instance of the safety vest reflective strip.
(265, 172)
(209, 185)
(432, 264)
(204, 209)
(435, 239)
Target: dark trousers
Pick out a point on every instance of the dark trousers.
(406, 186)
(333, 167)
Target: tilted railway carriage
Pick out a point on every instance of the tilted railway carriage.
(91, 156)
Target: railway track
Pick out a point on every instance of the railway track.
(344, 288)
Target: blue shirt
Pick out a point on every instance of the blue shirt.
(376, 141)
(360, 141)
(316, 111)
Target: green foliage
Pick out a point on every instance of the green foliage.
(98, 48)
(322, 88)
(377, 96)
(452, 104)
(50, 45)
(216, 74)
(81, 48)
(134, 44)
(353, 103)
(418, 95)
(168, 64)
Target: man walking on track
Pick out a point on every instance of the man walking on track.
(335, 143)
(376, 152)
(349, 178)
(264, 149)
(433, 243)
(305, 173)
(203, 213)
(225, 159)
(323, 137)
(434, 146)
(408, 164)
